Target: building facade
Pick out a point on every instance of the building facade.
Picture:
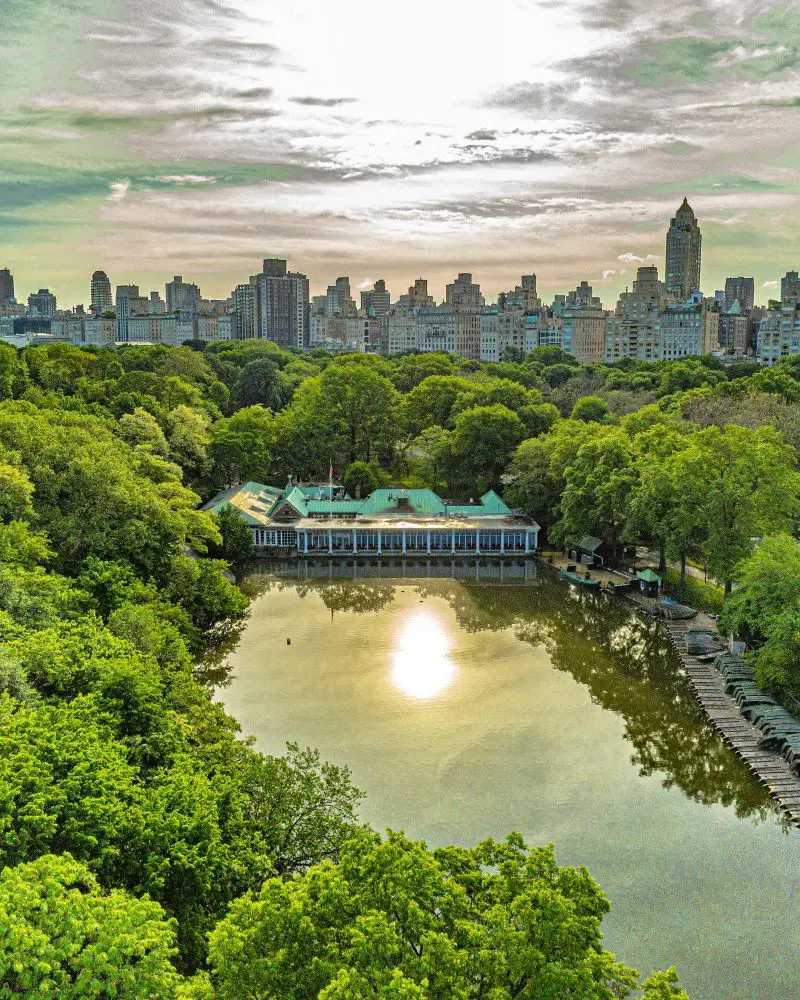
(282, 304)
(6, 286)
(741, 290)
(683, 258)
(42, 304)
(634, 331)
(779, 332)
(323, 520)
(100, 293)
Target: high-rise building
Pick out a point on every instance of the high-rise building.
(634, 331)
(6, 286)
(129, 304)
(790, 284)
(283, 304)
(684, 246)
(417, 296)
(779, 331)
(735, 329)
(101, 298)
(42, 303)
(340, 302)
(741, 290)
(377, 301)
(245, 326)
(182, 297)
(463, 293)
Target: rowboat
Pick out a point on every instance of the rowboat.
(581, 581)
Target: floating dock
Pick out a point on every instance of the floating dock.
(708, 685)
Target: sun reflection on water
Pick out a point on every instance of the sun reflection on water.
(421, 665)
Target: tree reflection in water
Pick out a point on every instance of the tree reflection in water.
(626, 664)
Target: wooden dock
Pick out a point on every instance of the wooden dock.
(708, 685)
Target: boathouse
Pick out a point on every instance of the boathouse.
(310, 519)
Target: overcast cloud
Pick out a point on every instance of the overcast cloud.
(199, 136)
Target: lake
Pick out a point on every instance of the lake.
(472, 699)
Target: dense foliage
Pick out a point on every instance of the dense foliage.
(148, 849)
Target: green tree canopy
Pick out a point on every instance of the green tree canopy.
(393, 919)
(61, 935)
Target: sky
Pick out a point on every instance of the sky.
(396, 140)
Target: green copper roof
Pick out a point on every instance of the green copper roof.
(387, 501)
(258, 503)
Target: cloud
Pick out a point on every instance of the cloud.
(632, 258)
(119, 190)
(483, 134)
(770, 284)
(322, 102)
(608, 274)
(186, 179)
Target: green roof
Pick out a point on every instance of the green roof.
(648, 576)
(258, 503)
(334, 506)
(386, 501)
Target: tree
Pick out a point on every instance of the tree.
(764, 609)
(189, 441)
(62, 935)
(362, 478)
(598, 483)
(237, 537)
(260, 383)
(483, 442)
(742, 483)
(65, 786)
(16, 492)
(393, 919)
(590, 409)
(141, 428)
(240, 447)
(431, 402)
(431, 448)
(351, 407)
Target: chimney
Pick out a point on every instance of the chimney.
(358, 492)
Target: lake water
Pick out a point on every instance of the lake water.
(470, 707)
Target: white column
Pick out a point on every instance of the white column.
(502, 541)
(453, 541)
(305, 541)
(380, 541)
(429, 541)
(404, 541)
(527, 542)
(330, 542)
(477, 541)
(355, 542)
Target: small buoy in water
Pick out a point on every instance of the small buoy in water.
(288, 642)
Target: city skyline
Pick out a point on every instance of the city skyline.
(393, 143)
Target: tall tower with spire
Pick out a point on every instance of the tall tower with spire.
(684, 246)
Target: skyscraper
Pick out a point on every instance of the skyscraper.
(6, 286)
(282, 304)
(377, 301)
(684, 244)
(463, 293)
(101, 297)
(741, 290)
(42, 303)
(790, 284)
(182, 297)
